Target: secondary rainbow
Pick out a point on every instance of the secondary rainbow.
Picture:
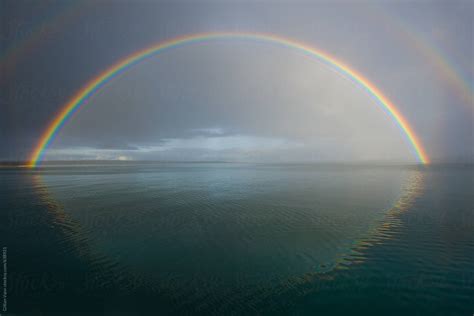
(89, 90)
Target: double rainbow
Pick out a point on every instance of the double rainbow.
(122, 66)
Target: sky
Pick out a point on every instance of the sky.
(239, 100)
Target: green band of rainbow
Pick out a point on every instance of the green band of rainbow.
(120, 67)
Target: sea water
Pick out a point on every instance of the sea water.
(156, 238)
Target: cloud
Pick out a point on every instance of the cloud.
(231, 148)
(208, 131)
(123, 158)
(217, 143)
(116, 146)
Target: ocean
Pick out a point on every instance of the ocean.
(159, 238)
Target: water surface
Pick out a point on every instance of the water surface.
(220, 238)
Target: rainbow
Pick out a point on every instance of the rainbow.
(56, 21)
(445, 68)
(94, 85)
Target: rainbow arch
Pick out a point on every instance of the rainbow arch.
(123, 65)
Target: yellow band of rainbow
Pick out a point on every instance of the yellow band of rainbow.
(123, 65)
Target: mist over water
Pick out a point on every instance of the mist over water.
(216, 238)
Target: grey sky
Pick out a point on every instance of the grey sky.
(242, 99)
